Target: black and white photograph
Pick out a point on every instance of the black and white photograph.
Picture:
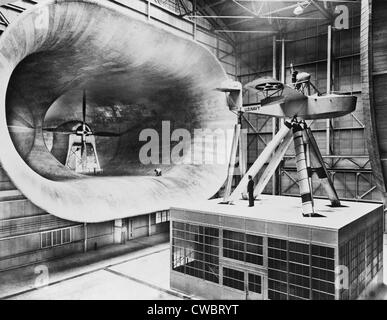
(195, 156)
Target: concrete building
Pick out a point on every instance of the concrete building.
(272, 252)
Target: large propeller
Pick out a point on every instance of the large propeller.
(83, 131)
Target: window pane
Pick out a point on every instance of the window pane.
(56, 237)
(273, 295)
(46, 239)
(255, 283)
(257, 249)
(198, 254)
(255, 259)
(66, 236)
(254, 239)
(178, 225)
(299, 247)
(233, 279)
(238, 236)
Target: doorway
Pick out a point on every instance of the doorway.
(130, 229)
(254, 286)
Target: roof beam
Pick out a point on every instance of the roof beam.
(244, 7)
(3, 2)
(279, 10)
(217, 3)
(327, 14)
(3, 19)
(206, 10)
(13, 7)
(259, 17)
(337, 1)
(182, 4)
(224, 17)
(248, 31)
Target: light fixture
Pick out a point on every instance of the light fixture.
(298, 10)
(301, 7)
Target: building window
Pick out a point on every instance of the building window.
(362, 256)
(323, 266)
(277, 269)
(243, 247)
(322, 296)
(299, 271)
(325, 252)
(298, 293)
(274, 295)
(46, 239)
(162, 216)
(66, 235)
(255, 283)
(195, 251)
(55, 237)
(234, 279)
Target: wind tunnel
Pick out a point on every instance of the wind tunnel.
(136, 77)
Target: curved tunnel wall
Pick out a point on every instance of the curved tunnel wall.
(373, 47)
(60, 47)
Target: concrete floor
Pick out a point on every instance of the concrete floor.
(138, 269)
(379, 294)
(115, 272)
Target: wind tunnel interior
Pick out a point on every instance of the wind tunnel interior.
(136, 76)
(130, 86)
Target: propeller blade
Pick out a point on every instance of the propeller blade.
(111, 134)
(84, 106)
(64, 132)
(49, 129)
(56, 130)
(106, 134)
(24, 122)
(14, 128)
(84, 156)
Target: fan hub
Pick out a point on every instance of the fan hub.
(83, 130)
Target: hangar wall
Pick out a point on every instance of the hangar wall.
(342, 140)
(374, 81)
(373, 48)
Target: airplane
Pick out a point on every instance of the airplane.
(295, 105)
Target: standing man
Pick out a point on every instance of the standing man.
(250, 191)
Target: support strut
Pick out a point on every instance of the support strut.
(302, 171)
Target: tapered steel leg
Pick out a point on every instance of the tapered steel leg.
(242, 154)
(321, 170)
(302, 172)
(262, 159)
(307, 157)
(231, 164)
(273, 164)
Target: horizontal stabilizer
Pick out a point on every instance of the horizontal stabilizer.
(230, 86)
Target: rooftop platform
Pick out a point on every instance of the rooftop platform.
(282, 209)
